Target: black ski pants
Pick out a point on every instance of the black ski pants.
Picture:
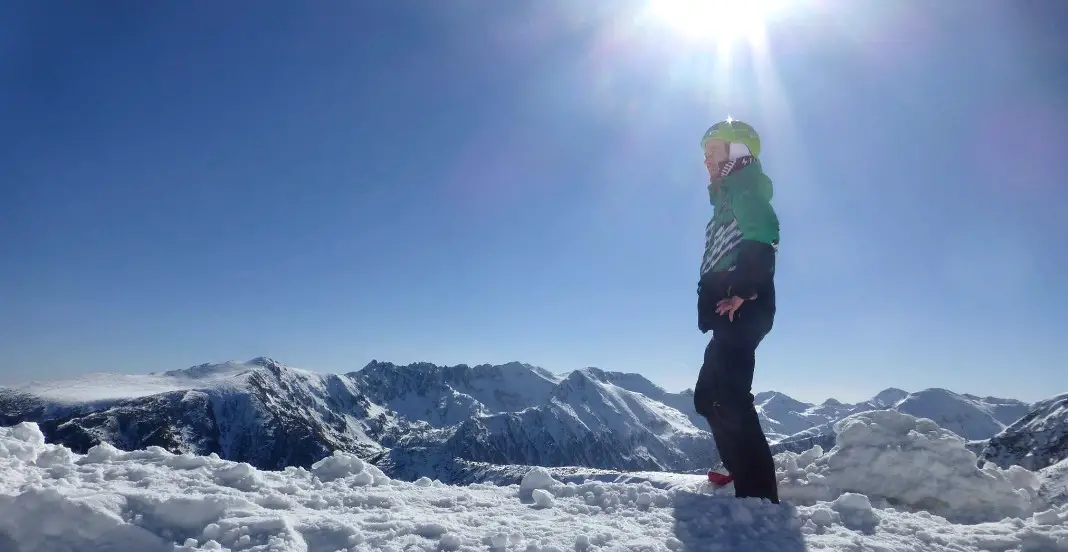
(723, 395)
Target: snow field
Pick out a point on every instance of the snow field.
(846, 499)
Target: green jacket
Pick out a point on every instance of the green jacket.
(743, 235)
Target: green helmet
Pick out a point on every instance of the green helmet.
(734, 131)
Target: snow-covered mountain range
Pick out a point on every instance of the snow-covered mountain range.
(796, 425)
(436, 421)
(1035, 441)
(259, 412)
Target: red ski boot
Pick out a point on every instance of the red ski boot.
(719, 479)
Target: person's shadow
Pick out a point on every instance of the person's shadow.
(706, 523)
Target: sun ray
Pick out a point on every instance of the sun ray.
(719, 21)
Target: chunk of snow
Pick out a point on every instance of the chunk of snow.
(822, 516)
(342, 464)
(431, 530)
(1047, 517)
(542, 498)
(239, 476)
(101, 453)
(853, 502)
(536, 478)
(809, 456)
(911, 462)
(25, 442)
(187, 461)
(450, 542)
(499, 540)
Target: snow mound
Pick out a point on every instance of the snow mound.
(343, 464)
(26, 443)
(537, 479)
(909, 462)
(153, 501)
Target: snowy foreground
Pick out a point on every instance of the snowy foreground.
(893, 482)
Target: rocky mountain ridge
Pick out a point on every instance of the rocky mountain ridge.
(438, 421)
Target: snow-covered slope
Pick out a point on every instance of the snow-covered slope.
(895, 484)
(520, 414)
(448, 395)
(1006, 411)
(966, 415)
(585, 421)
(1037, 440)
(782, 416)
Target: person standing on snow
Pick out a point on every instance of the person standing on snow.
(736, 302)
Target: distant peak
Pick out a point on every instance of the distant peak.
(208, 370)
(583, 375)
(542, 372)
(778, 400)
(832, 402)
(264, 361)
(376, 365)
(516, 365)
(595, 373)
(767, 395)
(578, 382)
(890, 395)
(936, 391)
(513, 366)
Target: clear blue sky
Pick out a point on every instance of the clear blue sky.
(469, 182)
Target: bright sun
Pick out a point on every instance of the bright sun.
(721, 21)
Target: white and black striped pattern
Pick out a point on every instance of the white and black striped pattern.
(727, 168)
(735, 163)
(720, 243)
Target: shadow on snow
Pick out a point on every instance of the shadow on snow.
(705, 523)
